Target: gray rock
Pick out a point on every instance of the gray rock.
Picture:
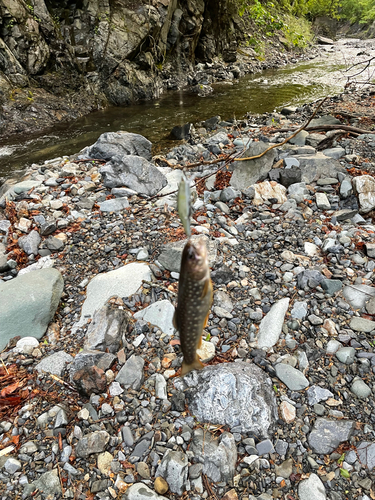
(94, 442)
(299, 310)
(131, 374)
(234, 394)
(285, 469)
(84, 359)
(218, 456)
(346, 355)
(328, 434)
(118, 144)
(140, 491)
(159, 314)
(135, 173)
(48, 483)
(12, 465)
(54, 244)
(300, 138)
(345, 214)
(106, 329)
(360, 388)
(310, 278)
(4, 266)
(160, 386)
(312, 488)
(315, 394)
(346, 188)
(28, 304)
(122, 282)
(362, 325)
(246, 173)
(271, 325)
(127, 435)
(291, 175)
(174, 469)
(180, 132)
(358, 295)
(331, 286)
(55, 363)
(228, 194)
(264, 447)
(366, 454)
(30, 243)
(223, 207)
(315, 166)
(170, 256)
(291, 377)
(298, 191)
(322, 201)
(370, 250)
(222, 299)
(115, 205)
(335, 153)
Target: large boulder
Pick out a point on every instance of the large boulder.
(133, 172)
(234, 394)
(119, 144)
(319, 165)
(28, 304)
(248, 172)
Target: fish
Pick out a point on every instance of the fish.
(194, 302)
(184, 203)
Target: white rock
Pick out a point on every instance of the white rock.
(311, 249)
(271, 325)
(206, 351)
(122, 282)
(266, 190)
(26, 345)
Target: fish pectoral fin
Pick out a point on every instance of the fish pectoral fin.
(195, 365)
(207, 288)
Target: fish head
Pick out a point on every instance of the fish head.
(195, 259)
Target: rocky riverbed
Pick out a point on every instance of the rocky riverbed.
(89, 259)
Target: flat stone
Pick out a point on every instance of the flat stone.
(233, 394)
(335, 153)
(55, 363)
(300, 138)
(285, 469)
(28, 304)
(326, 435)
(159, 314)
(346, 188)
(271, 325)
(114, 205)
(370, 250)
(312, 488)
(12, 465)
(106, 329)
(362, 325)
(264, 447)
(291, 377)
(122, 282)
(318, 165)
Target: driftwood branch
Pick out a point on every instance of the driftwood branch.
(347, 128)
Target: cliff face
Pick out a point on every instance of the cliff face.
(62, 58)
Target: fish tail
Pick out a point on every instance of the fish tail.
(195, 365)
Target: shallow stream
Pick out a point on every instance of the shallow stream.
(256, 93)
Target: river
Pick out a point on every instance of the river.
(256, 93)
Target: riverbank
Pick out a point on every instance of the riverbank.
(291, 245)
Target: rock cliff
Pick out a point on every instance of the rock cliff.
(60, 59)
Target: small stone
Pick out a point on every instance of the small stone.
(322, 201)
(362, 325)
(312, 488)
(346, 355)
(288, 412)
(291, 377)
(12, 465)
(360, 388)
(160, 485)
(328, 434)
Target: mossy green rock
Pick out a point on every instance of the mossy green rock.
(28, 304)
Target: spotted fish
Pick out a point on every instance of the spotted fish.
(184, 204)
(193, 303)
